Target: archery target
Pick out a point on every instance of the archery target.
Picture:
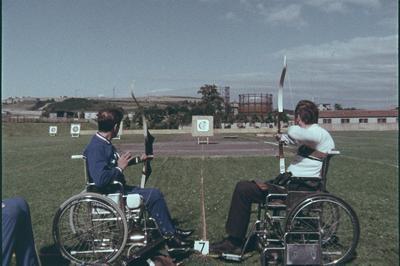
(202, 126)
(53, 130)
(75, 129)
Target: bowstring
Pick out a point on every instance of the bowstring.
(290, 90)
(292, 105)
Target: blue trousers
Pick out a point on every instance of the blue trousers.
(17, 235)
(156, 206)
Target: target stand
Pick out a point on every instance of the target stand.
(202, 140)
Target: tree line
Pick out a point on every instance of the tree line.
(180, 114)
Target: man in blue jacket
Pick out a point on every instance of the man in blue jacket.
(105, 165)
(17, 235)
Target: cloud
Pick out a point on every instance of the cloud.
(342, 5)
(160, 90)
(209, 1)
(231, 16)
(275, 14)
(292, 12)
(288, 14)
(248, 76)
(389, 23)
(339, 50)
(361, 70)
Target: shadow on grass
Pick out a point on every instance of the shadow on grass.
(50, 256)
(162, 257)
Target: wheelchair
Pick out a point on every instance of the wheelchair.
(304, 226)
(95, 229)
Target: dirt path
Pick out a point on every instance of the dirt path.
(217, 147)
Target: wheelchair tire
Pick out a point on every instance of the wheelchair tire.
(90, 229)
(334, 220)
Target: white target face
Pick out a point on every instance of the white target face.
(203, 125)
(53, 129)
(75, 128)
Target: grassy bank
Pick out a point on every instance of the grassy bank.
(38, 168)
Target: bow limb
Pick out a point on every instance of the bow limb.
(282, 168)
(148, 144)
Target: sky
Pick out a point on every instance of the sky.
(338, 51)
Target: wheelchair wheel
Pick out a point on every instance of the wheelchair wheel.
(334, 220)
(89, 229)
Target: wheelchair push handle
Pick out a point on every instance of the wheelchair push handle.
(78, 156)
(298, 178)
(333, 152)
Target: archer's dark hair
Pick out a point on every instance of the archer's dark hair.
(108, 118)
(307, 111)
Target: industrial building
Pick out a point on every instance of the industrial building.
(251, 103)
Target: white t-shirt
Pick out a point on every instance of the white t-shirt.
(315, 137)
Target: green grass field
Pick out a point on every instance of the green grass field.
(38, 168)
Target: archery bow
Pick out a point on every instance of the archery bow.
(280, 114)
(148, 144)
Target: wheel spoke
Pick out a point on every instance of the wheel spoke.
(90, 228)
(333, 220)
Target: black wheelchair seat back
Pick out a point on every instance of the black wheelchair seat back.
(299, 188)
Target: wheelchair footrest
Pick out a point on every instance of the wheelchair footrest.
(272, 255)
(143, 251)
(276, 206)
(303, 254)
(278, 217)
(232, 257)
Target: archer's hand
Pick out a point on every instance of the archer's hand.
(143, 157)
(283, 138)
(123, 161)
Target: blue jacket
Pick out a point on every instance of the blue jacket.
(101, 162)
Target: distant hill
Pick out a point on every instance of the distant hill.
(95, 103)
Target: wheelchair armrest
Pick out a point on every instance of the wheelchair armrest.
(334, 152)
(118, 183)
(79, 156)
(113, 183)
(298, 178)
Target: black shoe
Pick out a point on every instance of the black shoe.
(177, 242)
(225, 246)
(183, 233)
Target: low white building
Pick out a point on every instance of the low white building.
(359, 119)
(90, 115)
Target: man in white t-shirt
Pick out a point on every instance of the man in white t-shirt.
(314, 143)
